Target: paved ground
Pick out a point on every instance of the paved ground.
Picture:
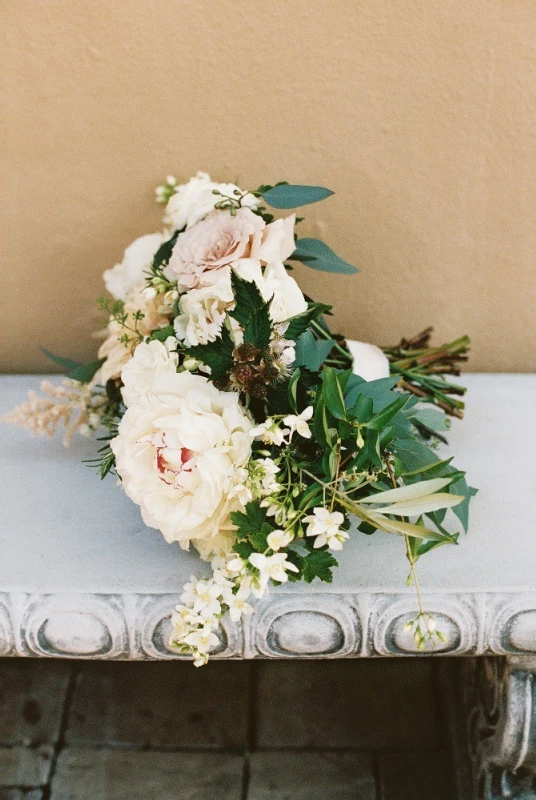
(272, 730)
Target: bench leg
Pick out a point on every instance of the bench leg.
(500, 700)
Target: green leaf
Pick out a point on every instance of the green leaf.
(363, 408)
(380, 391)
(310, 352)
(250, 521)
(217, 355)
(66, 363)
(413, 454)
(462, 510)
(287, 195)
(333, 393)
(243, 549)
(318, 564)
(161, 334)
(85, 372)
(317, 255)
(163, 254)
(298, 324)
(411, 491)
(251, 312)
(384, 417)
(292, 389)
(433, 418)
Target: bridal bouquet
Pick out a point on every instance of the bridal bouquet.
(240, 424)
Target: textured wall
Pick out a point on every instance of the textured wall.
(420, 114)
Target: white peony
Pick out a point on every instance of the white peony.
(179, 452)
(137, 258)
(202, 312)
(149, 361)
(192, 201)
(370, 362)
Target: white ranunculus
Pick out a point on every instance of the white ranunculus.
(137, 258)
(179, 452)
(370, 362)
(149, 361)
(192, 201)
(202, 312)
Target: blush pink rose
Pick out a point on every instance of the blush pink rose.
(212, 244)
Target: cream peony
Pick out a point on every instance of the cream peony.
(202, 312)
(192, 201)
(370, 362)
(137, 258)
(179, 452)
(149, 361)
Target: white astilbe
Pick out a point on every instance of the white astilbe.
(71, 405)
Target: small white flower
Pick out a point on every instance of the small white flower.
(237, 605)
(269, 432)
(278, 539)
(207, 598)
(325, 525)
(202, 639)
(270, 568)
(236, 565)
(299, 422)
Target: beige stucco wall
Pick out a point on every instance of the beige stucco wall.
(420, 114)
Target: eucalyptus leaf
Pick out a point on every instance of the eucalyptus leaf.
(287, 195)
(317, 255)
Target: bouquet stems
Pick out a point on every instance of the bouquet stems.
(422, 369)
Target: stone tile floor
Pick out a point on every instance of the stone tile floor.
(265, 730)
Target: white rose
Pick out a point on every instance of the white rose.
(370, 362)
(149, 361)
(179, 452)
(216, 242)
(287, 297)
(192, 201)
(202, 312)
(137, 258)
(276, 245)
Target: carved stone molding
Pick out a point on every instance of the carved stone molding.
(284, 625)
(497, 726)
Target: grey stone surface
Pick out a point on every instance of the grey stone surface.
(311, 776)
(31, 700)
(20, 794)
(410, 776)
(365, 704)
(25, 766)
(84, 774)
(161, 704)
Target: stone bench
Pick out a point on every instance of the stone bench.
(80, 575)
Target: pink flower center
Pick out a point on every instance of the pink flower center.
(170, 462)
